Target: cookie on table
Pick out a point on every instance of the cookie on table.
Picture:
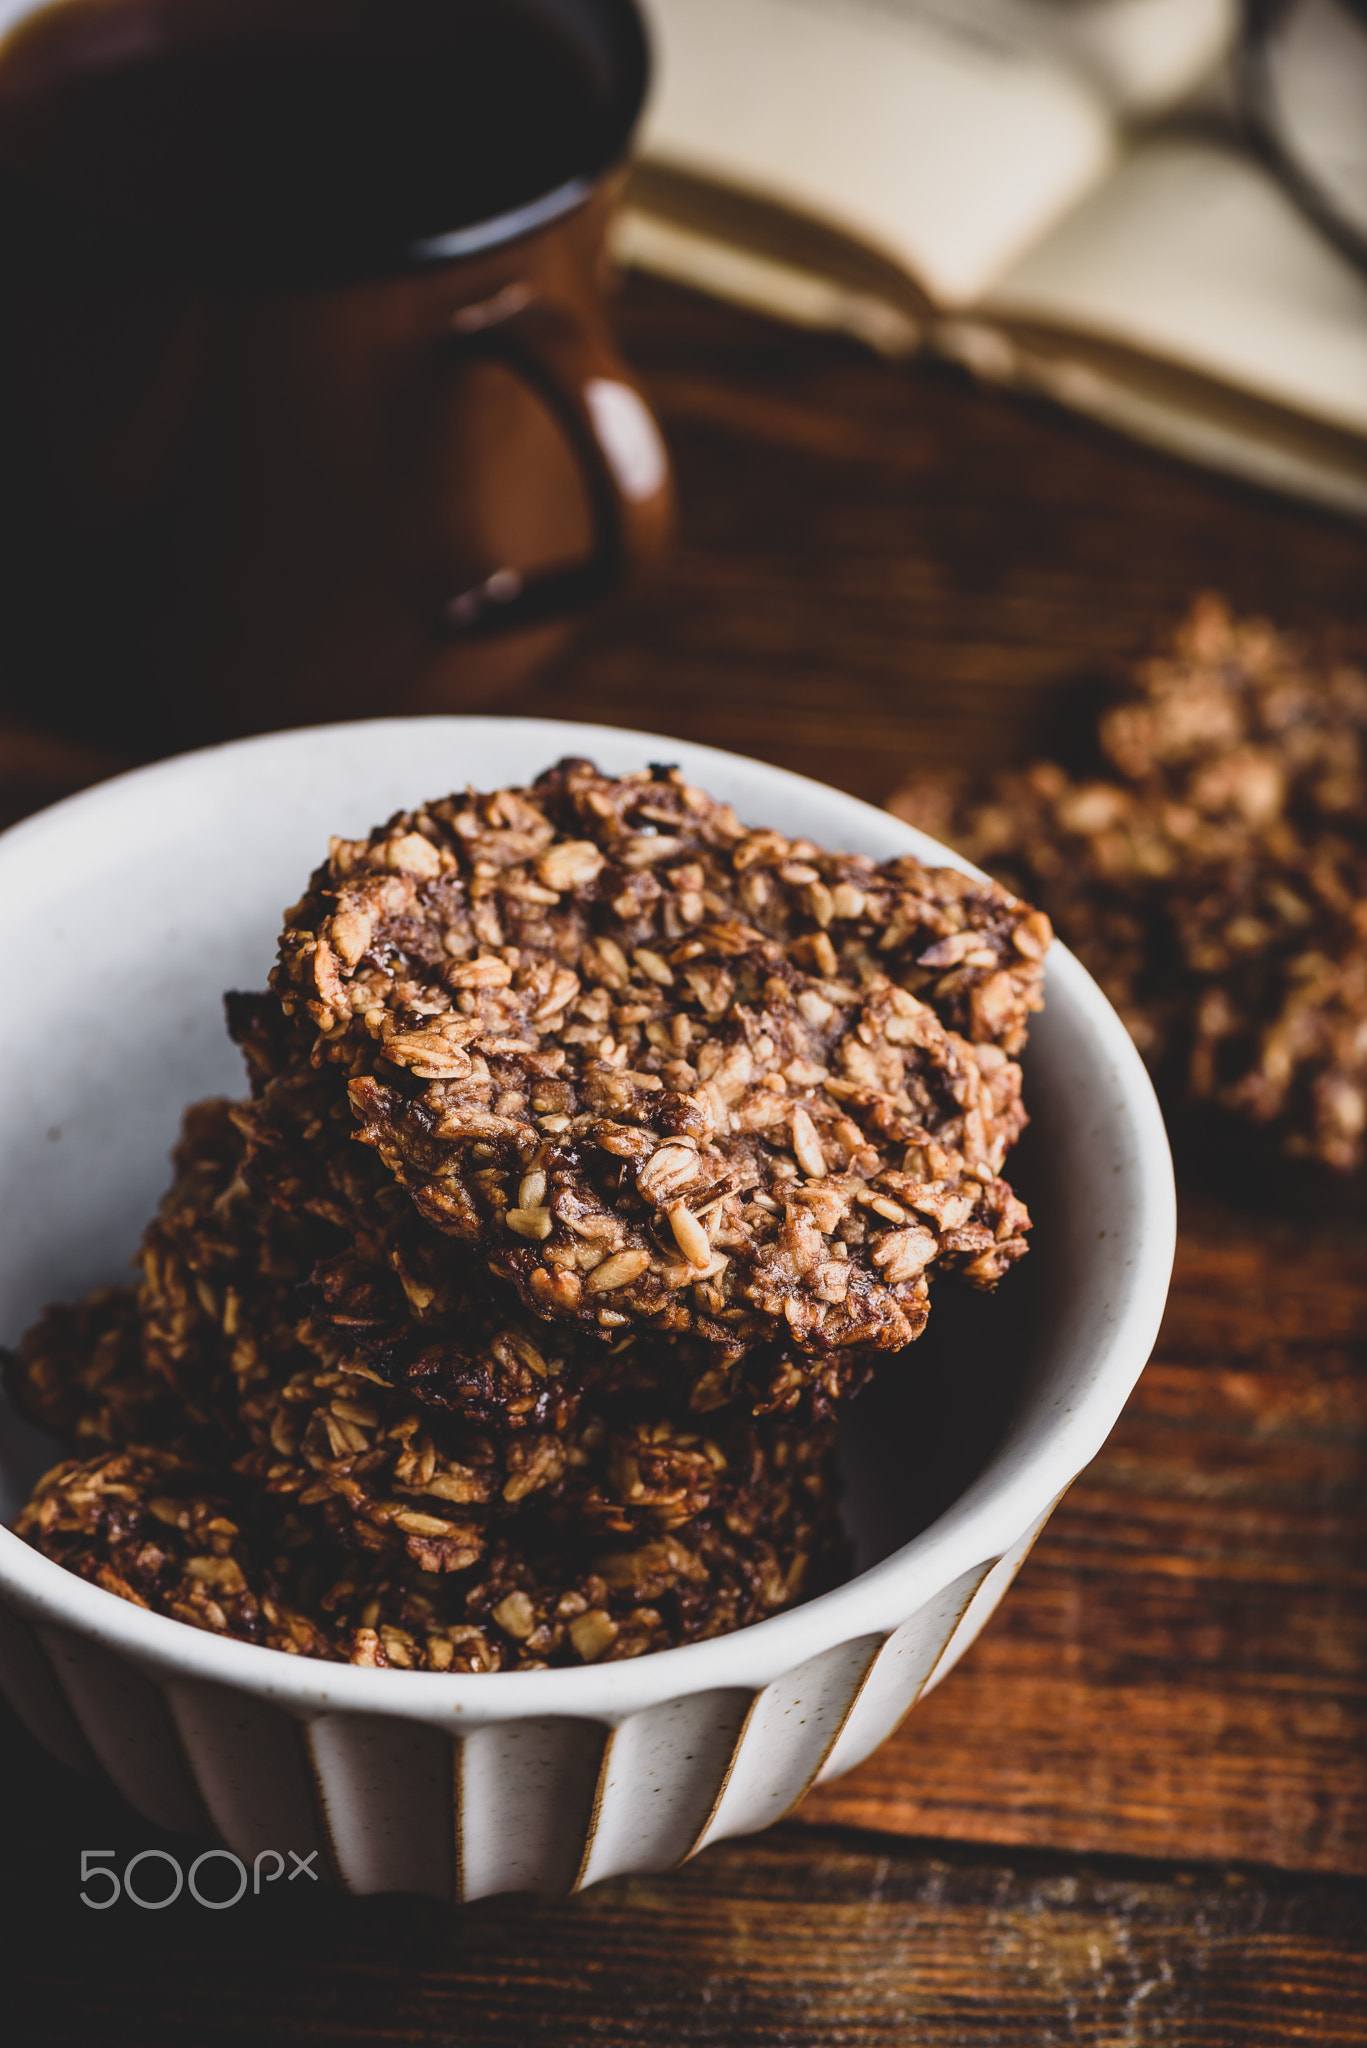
(1213, 878)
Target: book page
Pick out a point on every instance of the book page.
(766, 283)
(946, 146)
(1193, 252)
(1144, 55)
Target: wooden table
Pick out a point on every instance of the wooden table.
(1137, 1812)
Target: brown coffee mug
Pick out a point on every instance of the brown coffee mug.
(312, 401)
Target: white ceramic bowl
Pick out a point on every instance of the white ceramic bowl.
(128, 910)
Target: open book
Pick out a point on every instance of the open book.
(1030, 187)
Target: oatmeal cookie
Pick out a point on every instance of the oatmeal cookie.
(646, 861)
(168, 1535)
(709, 1136)
(370, 1470)
(417, 1442)
(753, 1181)
(79, 1374)
(424, 1310)
(164, 1363)
(1215, 881)
(425, 1306)
(545, 1596)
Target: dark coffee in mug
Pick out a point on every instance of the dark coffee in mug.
(281, 132)
(306, 384)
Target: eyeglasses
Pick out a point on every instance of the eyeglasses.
(1303, 77)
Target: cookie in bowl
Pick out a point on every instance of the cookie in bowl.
(597, 1145)
(134, 906)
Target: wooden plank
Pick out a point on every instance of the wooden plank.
(881, 568)
(38, 768)
(1181, 1668)
(799, 1937)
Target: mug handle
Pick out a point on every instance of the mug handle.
(612, 432)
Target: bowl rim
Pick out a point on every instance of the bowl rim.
(980, 1526)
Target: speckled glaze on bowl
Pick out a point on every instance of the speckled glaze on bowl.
(132, 907)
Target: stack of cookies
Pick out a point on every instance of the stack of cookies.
(597, 1147)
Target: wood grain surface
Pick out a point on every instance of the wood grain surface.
(802, 1938)
(879, 569)
(1181, 1668)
